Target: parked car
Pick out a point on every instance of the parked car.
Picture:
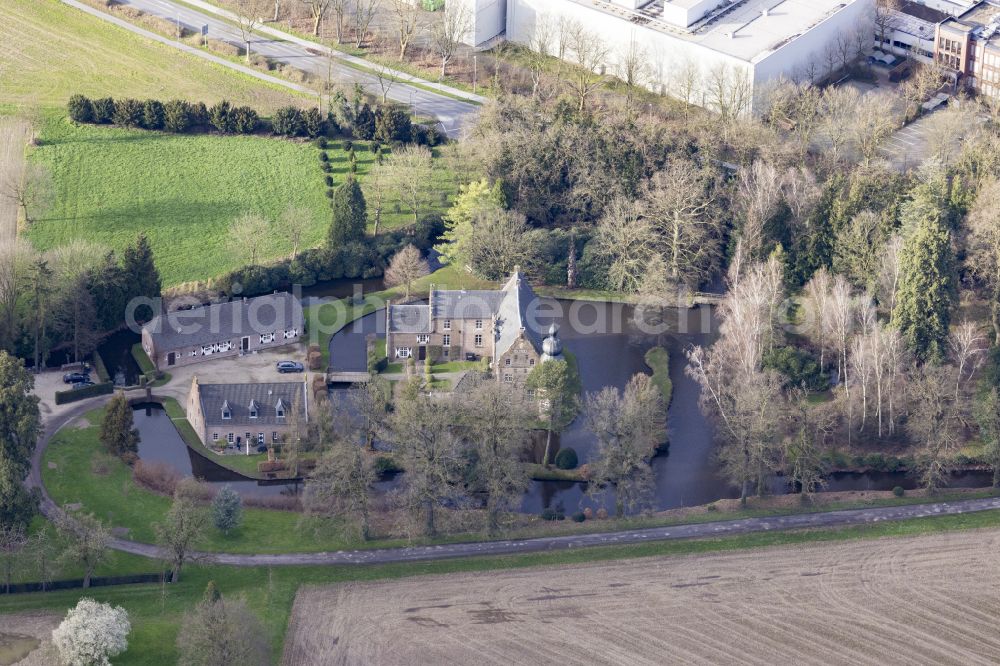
(290, 366)
(74, 377)
(82, 383)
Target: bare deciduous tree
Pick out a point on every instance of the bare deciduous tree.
(31, 190)
(364, 12)
(876, 118)
(590, 52)
(87, 540)
(983, 246)
(886, 20)
(182, 527)
(628, 427)
(249, 16)
(934, 421)
(758, 197)
(447, 30)
(317, 10)
(966, 346)
(408, 172)
(247, 236)
(294, 223)
(406, 23)
(406, 267)
(625, 238)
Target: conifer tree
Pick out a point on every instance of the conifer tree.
(118, 434)
(350, 215)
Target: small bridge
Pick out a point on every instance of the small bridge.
(335, 377)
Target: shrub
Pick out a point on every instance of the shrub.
(321, 143)
(128, 113)
(567, 459)
(245, 120)
(712, 507)
(80, 109)
(799, 367)
(326, 167)
(287, 121)
(219, 116)
(328, 179)
(199, 115)
(152, 114)
(386, 465)
(72, 395)
(578, 517)
(158, 477)
(602, 513)
(329, 192)
(348, 145)
(392, 124)
(549, 513)
(227, 510)
(323, 156)
(104, 110)
(364, 123)
(92, 633)
(898, 491)
(177, 116)
(314, 123)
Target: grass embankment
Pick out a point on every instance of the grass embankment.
(245, 465)
(156, 611)
(52, 50)
(658, 360)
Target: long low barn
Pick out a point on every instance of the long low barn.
(223, 329)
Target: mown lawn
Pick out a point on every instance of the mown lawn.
(51, 50)
(184, 191)
(85, 475)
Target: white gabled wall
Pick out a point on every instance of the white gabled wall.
(488, 17)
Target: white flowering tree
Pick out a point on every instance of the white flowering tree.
(91, 634)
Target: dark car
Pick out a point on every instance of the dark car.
(290, 366)
(74, 377)
(82, 383)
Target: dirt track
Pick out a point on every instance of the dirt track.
(933, 599)
(14, 134)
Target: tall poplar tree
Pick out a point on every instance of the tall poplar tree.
(350, 215)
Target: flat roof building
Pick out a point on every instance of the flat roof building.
(969, 47)
(746, 43)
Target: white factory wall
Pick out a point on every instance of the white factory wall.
(488, 19)
(790, 60)
(670, 57)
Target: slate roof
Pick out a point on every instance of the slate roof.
(409, 319)
(226, 321)
(470, 304)
(239, 396)
(512, 315)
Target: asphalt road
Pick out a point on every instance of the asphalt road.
(826, 519)
(454, 116)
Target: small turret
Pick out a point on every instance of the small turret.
(552, 346)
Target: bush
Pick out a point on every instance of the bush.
(326, 167)
(392, 124)
(287, 121)
(602, 513)
(321, 143)
(549, 513)
(386, 465)
(314, 123)
(92, 633)
(104, 110)
(578, 517)
(323, 156)
(328, 179)
(245, 120)
(177, 116)
(364, 124)
(898, 491)
(329, 192)
(158, 477)
(799, 367)
(348, 145)
(152, 114)
(80, 109)
(72, 395)
(219, 117)
(128, 113)
(567, 459)
(199, 115)
(227, 510)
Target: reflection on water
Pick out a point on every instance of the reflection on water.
(161, 443)
(116, 352)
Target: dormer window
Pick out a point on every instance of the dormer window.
(227, 413)
(253, 409)
(279, 409)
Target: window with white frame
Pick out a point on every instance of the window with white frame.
(447, 324)
(260, 438)
(253, 409)
(479, 324)
(531, 362)
(506, 361)
(226, 414)
(291, 333)
(422, 339)
(274, 436)
(403, 352)
(215, 436)
(230, 438)
(266, 337)
(478, 340)
(508, 378)
(446, 340)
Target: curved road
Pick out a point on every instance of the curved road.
(492, 548)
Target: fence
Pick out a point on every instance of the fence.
(96, 581)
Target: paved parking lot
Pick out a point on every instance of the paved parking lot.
(908, 148)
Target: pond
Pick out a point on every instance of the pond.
(116, 352)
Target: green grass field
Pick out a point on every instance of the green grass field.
(183, 191)
(51, 50)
